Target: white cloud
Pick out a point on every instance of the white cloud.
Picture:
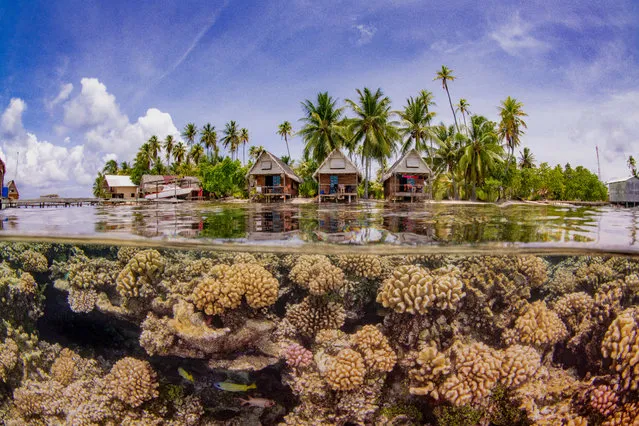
(65, 91)
(515, 37)
(94, 106)
(11, 120)
(365, 34)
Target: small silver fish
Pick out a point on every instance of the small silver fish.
(257, 402)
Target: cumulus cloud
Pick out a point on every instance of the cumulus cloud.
(63, 95)
(515, 37)
(365, 34)
(11, 120)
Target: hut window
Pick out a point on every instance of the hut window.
(267, 165)
(338, 163)
(412, 163)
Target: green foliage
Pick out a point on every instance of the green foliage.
(505, 411)
(375, 190)
(458, 416)
(308, 188)
(224, 179)
(228, 223)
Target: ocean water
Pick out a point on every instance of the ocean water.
(249, 315)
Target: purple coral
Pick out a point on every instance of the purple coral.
(298, 356)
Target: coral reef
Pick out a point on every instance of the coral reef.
(537, 326)
(314, 314)
(345, 371)
(317, 274)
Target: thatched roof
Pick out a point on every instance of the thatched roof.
(282, 166)
(409, 163)
(337, 163)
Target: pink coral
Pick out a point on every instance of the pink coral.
(604, 400)
(298, 356)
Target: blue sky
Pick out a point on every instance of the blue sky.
(84, 81)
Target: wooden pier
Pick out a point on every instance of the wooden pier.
(65, 202)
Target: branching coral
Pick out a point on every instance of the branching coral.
(9, 352)
(317, 274)
(298, 356)
(537, 326)
(143, 270)
(81, 300)
(592, 275)
(572, 308)
(314, 314)
(214, 296)
(32, 261)
(414, 289)
(627, 414)
(431, 366)
(132, 381)
(519, 364)
(364, 266)
(346, 371)
(603, 399)
(378, 355)
(621, 345)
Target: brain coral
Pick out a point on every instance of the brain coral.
(537, 326)
(32, 261)
(145, 267)
(314, 314)
(317, 274)
(621, 344)
(365, 266)
(132, 381)
(378, 354)
(345, 371)
(414, 289)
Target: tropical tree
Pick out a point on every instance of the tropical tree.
(481, 154)
(189, 133)
(372, 129)
(632, 165)
(143, 157)
(463, 107)
(415, 125)
(287, 160)
(125, 169)
(427, 98)
(511, 125)
(99, 190)
(154, 148)
(169, 143)
(323, 129)
(244, 138)
(285, 130)
(196, 153)
(179, 153)
(255, 151)
(231, 139)
(526, 159)
(449, 152)
(208, 138)
(111, 168)
(445, 75)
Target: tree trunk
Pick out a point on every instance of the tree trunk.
(368, 161)
(466, 125)
(287, 150)
(244, 153)
(451, 107)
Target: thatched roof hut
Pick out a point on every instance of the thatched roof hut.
(271, 178)
(407, 178)
(337, 177)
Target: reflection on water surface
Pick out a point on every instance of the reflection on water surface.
(372, 223)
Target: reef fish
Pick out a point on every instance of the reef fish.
(257, 402)
(185, 374)
(233, 387)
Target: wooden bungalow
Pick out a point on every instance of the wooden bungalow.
(271, 179)
(408, 178)
(624, 191)
(337, 178)
(13, 190)
(120, 187)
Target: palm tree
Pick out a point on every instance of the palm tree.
(481, 154)
(285, 130)
(125, 168)
(426, 96)
(179, 152)
(632, 165)
(255, 151)
(98, 186)
(189, 133)
(154, 147)
(449, 151)
(323, 129)
(415, 123)
(208, 138)
(287, 160)
(446, 75)
(231, 139)
(111, 168)
(169, 143)
(143, 157)
(244, 138)
(462, 107)
(196, 153)
(526, 159)
(371, 127)
(510, 128)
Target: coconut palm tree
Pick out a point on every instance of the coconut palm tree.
(231, 139)
(462, 107)
(111, 168)
(481, 154)
(98, 186)
(196, 153)
(323, 129)
(255, 151)
(446, 75)
(179, 153)
(426, 96)
(415, 125)
(526, 159)
(285, 130)
(287, 160)
(169, 143)
(143, 158)
(154, 147)
(449, 152)
(511, 125)
(189, 133)
(208, 138)
(244, 138)
(371, 127)
(125, 169)
(632, 165)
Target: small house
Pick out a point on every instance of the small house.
(120, 187)
(408, 178)
(13, 193)
(624, 191)
(271, 179)
(337, 178)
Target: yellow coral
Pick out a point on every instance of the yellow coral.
(81, 300)
(626, 415)
(346, 371)
(430, 366)
(32, 261)
(214, 296)
(8, 358)
(64, 366)
(365, 266)
(378, 354)
(519, 364)
(132, 381)
(621, 344)
(534, 268)
(537, 326)
(414, 289)
(573, 307)
(27, 283)
(143, 269)
(261, 288)
(314, 314)
(317, 274)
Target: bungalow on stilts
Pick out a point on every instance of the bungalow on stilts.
(337, 178)
(272, 179)
(408, 179)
